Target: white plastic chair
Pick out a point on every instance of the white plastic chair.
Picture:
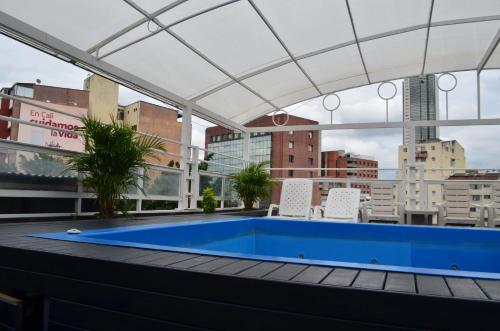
(455, 209)
(342, 204)
(295, 200)
(382, 208)
(494, 207)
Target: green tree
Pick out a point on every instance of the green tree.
(253, 183)
(113, 153)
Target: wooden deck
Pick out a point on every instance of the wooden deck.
(77, 286)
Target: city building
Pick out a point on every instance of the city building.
(157, 120)
(420, 102)
(292, 149)
(71, 101)
(99, 98)
(480, 193)
(438, 159)
(341, 159)
(103, 97)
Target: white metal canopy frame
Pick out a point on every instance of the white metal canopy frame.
(233, 61)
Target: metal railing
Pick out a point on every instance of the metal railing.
(37, 172)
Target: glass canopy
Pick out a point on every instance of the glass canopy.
(237, 60)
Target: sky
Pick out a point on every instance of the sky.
(21, 63)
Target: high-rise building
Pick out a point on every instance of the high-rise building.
(420, 103)
(290, 149)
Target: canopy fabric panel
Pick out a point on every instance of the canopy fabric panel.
(241, 59)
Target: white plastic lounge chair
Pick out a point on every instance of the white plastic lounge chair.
(494, 207)
(342, 204)
(295, 200)
(456, 207)
(383, 208)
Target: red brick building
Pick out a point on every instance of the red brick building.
(290, 149)
(341, 159)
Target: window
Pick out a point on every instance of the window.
(405, 149)
(120, 115)
(486, 185)
(218, 138)
(290, 144)
(290, 173)
(452, 162)
(310, 148)
(310, 161)
(230, 136)
(291, 158)
(310, 134)
(476, 198)
(433, 193)
(473, 209)
(487, 197)
(310, 174)
(290, 132)
(474, 186)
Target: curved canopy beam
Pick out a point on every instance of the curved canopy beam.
(236, 60)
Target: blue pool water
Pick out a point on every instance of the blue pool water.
(419, 249)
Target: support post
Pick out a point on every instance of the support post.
(246, 147)
(422, 187)
(195, 178)
(78, 201)
(140, 184)
(478, 86)
(412, 185)
(185, 157)
(223, 182)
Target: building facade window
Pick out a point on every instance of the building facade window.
(290, 173)
(310, 134)
(310, 161)
(291, 158)
(309, 148)
(290, 144)
(290, 132)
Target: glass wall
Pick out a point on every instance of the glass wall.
(259, 151)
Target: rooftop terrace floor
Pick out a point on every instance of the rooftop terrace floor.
(75, 286)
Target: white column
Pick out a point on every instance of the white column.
(478, 86)
(246, 147)
(195, 178)
(78, 201)
(412, 185)
(186, 157)
(140, 183)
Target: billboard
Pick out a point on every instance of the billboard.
(46, 137)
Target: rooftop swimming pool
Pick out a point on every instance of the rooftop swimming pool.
(419, 249)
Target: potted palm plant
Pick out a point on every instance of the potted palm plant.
(114, 152)
(253, 183)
